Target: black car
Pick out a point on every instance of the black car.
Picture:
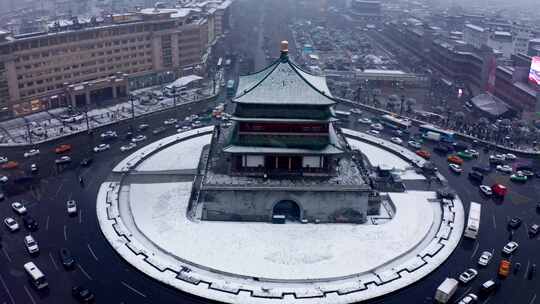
(82, 294)
(443, 149)
(538, 207)
(86, 162)
(524, 168)
(30, 223)
(514, 223)
(2, 196)
(128, 136)
(66, 258)
(480, 169)
(460, 146)
(477, 176)
(446, 194)
(532, 272)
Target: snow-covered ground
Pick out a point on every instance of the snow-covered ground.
(184, 155)
(378, 156)
(292, 251)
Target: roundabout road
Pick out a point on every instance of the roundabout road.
(114, 281)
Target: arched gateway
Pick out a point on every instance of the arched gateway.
(288, 208)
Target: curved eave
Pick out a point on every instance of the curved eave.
(328, 150)
(294, 120)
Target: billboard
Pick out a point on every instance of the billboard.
(534, 73)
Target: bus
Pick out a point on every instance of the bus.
(230, 88)
(445, 135)
(473, 222)
(343, 114)
(219, 63)
(395, 122)
(36, 276)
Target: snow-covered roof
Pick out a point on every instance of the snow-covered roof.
(329, 149)
(183, 81)
(283, 83)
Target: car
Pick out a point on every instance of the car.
(30, 153)
(414, 144)
(477, 176)
(531, 272)
(143, 127)
(454, 159)
(488, 287)
(19, 208)
(396, 140)
(187, 128)
(71, 206)
(11, 224)
(374, 133)
(424, 154)
(455, 168)
(62, 149)
(514, 223)
(504, 168)
(459, 146)
(468, 299)
(446, 193)
(63, 160)
(31, 244)
(468, 275)
(442, 149)
(529, 174)
(473, 152)
(128, 147)
(82, 294)
(4, 179)
(66, 258)
(86, 162)
(3, 159)
(510, 247)
(128, 136)
(482, 169)
(486, 190)
(377, 126)
(10, 165)
(504, 268)
(485, 258)
(34, 168)
(170, 121)
(510, 156)
(533, 230)
(109, 135)
(2, 196)
(365, 121)
(518, 177)
(159, 130)
(356, 111)
(30, 223)
(465, 155)
(497, 159)
(138, 138)
(101, 148)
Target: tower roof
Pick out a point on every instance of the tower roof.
(283, 83)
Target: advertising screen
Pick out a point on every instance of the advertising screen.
(534, 73)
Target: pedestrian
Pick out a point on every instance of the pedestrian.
(81, 181)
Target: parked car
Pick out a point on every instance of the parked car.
(11, 224)
(128, 147)
(377, 126)
(101, 148)
(63, 160)
(86, 162)
(518, 177)
(10, 165)
(510, 247)
(138, 138)
(82, 294)
(473, 152)
(31, 153)
(31, 244)
(109, 135)
(504, 268)
(128, 136)
(468, 275)
(477, 176)
(445, 193)
(4, 179)
(514, 223)
(534, 229)
(469, 299)
(510, 156)
(414, 144)
(460, 146)
(3, 159)
(396, 140)
(504, 168)
(71, 206)
(455, 168)
(66, 258)
(455, 160)
(34, 168)
(485, 258)
(170, 121)
(30, 223)
(374, 133)
(489, 287)
(465, 155)
(424, 154)
(62, 148)
(481, 169)
(366, 121)
(497, 159)
(143, 127)
(19, 208)
(486, 190)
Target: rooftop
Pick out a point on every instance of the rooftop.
(474, 27)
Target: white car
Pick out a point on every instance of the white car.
(510, 247)
(101, 148)
(170, 121)
(31, 153)
(3, 159)
(374, 133)
(128, 147)
(414, 144)
(11, 224)
(4, 179)
(71, 206)
(366, 121)
(396, 140)
(63, 160)
(143, 127)
(356, 111)
(31, 244)
(510, 156)
(498, 157)
(377, 126)
(18, 208)
(109, 134)
(486, 190)
(485, 258)
(138, 138)
(183, 129)
(504, 168)
(455, 168)
(33, 168)
(472, 152)
(469, 299)
(468, 275)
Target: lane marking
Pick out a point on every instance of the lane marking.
(53, 261)
(7, 290)
(487, 300)
(526, 269)
(29, 294)
(6, 253)
(475, 249)
(92, 252)
(80, 216)
(65, 233)
(59, 188)
(133, 289)
(84, 272)
(47, 223)
(494, 223)
(533, 299)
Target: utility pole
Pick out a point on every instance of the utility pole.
(86, 117)
(132, 107)
(28, 130)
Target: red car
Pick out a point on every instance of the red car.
(424, 154)
(62, 148)
(499, 190)
(10, 165)
(455, 160)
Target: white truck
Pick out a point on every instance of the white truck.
(432, 136)
(446, 290)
